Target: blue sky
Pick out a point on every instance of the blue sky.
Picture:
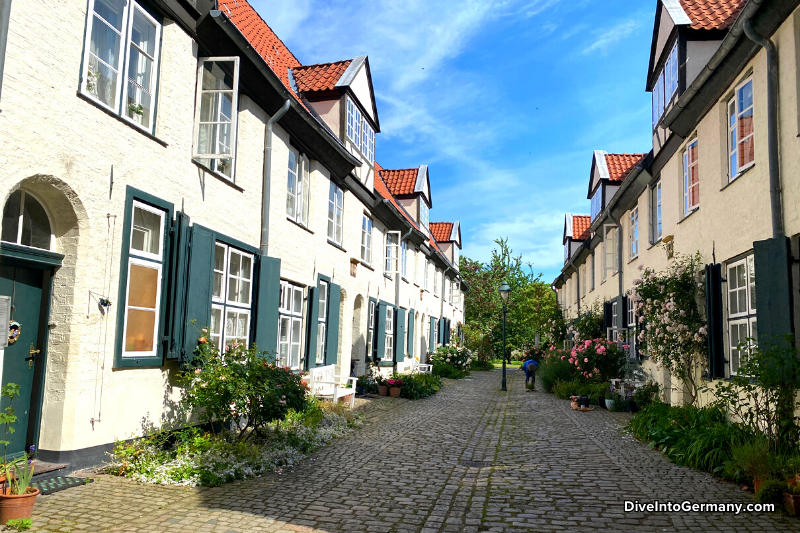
(505, 100)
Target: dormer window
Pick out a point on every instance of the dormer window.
(354, 120)
(597, 202)
(367, 140)
(666, 87)
(424, 214)
(566, 251)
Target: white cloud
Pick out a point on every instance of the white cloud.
(604, 40)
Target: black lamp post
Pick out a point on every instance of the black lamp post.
(505, 292)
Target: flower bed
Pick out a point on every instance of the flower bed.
(451, 361)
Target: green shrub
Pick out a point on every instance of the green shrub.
(446, 370)
(552, 370)
(451, 361)
(416, 386)
(646, 394)
(482, 365)
(772, 492)
(754, 459)
(565, 389)
(241, 383)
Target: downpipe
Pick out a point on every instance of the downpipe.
(267, 170)
(5, 20)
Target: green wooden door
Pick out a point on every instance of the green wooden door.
(24, 286)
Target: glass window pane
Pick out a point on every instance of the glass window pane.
(298, 301)
(752, 282)
(216, 321)
(143, 286)
(745, 96)
(35, 225)
(140, 332)
(11, 217)
(146, 233)
(219, 270)
(105, 50)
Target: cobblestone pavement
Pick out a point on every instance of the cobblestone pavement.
(550, 469)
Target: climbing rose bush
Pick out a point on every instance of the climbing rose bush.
(672, 327)
(591, 359)
(451, 360)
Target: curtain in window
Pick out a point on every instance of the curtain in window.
(104, 50)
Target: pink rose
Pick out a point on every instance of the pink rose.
(596, 371)
(585, 359)
(562, 357)
(587, 343)
(571, 360)
(590, 374)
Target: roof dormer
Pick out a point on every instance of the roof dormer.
(412, 188)
(608, 173)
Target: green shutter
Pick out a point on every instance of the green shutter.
(608, 317)
(400, 335)
(411, 341)
(180, 236)
(198, 289)
(716, 350)
(332, 344)
(431, 340)
(380, 332)
(313, 319)
(267, 304)
(440, 340)
(772, 262)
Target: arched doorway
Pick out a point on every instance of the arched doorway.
(358, 349)
(36, 281)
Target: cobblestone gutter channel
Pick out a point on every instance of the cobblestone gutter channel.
(413, 467)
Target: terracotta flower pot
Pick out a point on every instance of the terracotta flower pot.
(394, 392)
(16, 505)
(792, 503)
(757, 484)
(383, 390)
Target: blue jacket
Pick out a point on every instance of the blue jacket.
(528, 364)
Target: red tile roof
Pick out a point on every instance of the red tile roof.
(441, 231)
(383, 190)
(712, 14)
(258, 33)
(322, 77)
(402, 181)
(620, 165)
(580, 227)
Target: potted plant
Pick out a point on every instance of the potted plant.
(383, 387)
(610, 392)
(395, 387)
(754, 460)
(17, 496)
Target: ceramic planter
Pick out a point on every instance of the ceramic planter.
(792, 503)
(609, 404)
(383, 390)
(16, 505)
(757, 484)
(394, 392)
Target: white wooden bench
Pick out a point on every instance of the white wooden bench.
(324, 383)
(422, 368)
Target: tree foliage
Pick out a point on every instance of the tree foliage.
(531, 304)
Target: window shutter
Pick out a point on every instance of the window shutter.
(772, 262)
(400, 336)
(607, 316)
(179, 261)
(716, 350)
(313, 318)
(267, 304)
(332, 344)
(622, 318)
(198, 289)
(431, 340)
(440, 340)
(380, 332)
(411, 341)
(447, 332)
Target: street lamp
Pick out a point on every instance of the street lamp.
(505, 292)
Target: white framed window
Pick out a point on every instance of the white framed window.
(610, 259)
(593, 272)
(742, 323)
(120, 62)
(424, 214)
(583, 279)
(367, 140)
(290, 325)
(597, 202)
(666, 86)
(371, 315)
(425, 268)
(354, 121)
(655, 212)
(633, 244)
(404, 259)
(388, 353)
(143, 286)
(691, 179)
(614, 314)
(450, 285)
(216, 113)
(366, 239)
(297, 188)
(436, 333)
(322, 321)
(631, 312)
(335, 213)
(231, 295)
(26, 222)
(436, 282)
(741, 139)
(566, 251)
(392, 253)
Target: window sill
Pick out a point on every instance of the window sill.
(339, 246)
(367, 265)
(385, 363)
(632, 259)
(118, 117)
(296, 223)
(654, 244)
(695, 210)
(222, 177)
(404, 279)
(741, 173)
(387, 276)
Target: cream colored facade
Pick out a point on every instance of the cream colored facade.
(731, 214)
(82, 163)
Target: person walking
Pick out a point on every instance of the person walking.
(529, 367)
